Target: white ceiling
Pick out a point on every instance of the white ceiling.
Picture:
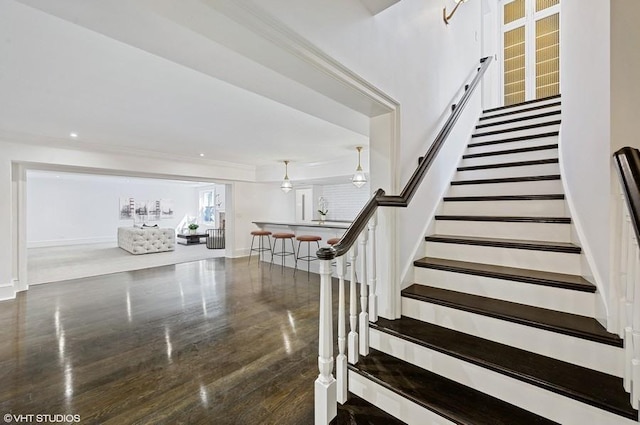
(145, 75)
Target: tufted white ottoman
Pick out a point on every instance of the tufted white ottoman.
(146, 241)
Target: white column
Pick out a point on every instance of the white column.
(341, 359)
(325, 386)
(353, 307)
(373, 297)
(364, 316)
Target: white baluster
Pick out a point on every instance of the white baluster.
(341, 359)
(629, 283)
(373, 297)
(364, 316)
(628, 357)
(622, 281)
(353, 307)
(635, 324)
(325, 386)
(635, 387)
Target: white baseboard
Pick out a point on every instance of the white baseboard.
(7, 291)
(65, 242)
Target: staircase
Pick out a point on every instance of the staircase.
(499, 326)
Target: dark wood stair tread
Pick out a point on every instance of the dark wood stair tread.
(506, 180)
(556, 280)
(517, 128)
(530, 109)
(505, 219)
(493, 198)
(514, 139)
(357, 411)
(512, 151)
(515, 105)
(447, 398)
(525, 118)
(563, 247)
(509, 164)
(551, 320)
(586, 385)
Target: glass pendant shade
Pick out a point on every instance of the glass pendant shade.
(359, 178)
(286, 185)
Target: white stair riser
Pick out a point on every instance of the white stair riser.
(511, 134)
(552, 232)
(514, 157)
(569, 301)
(521, 171)
(495, 116)
(557, 262)
(521, 107)
(593, 355)
(406, 410)
(512, 145)
(540, 401)
(537, 187)
(530, 121)
(547, 208)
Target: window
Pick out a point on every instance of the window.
(207, 207)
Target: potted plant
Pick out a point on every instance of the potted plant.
(193, 228)
(323, 215)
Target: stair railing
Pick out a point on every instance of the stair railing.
(627, 162)
(327, 391)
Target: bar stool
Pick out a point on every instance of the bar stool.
(261, 246)
(283, 253)
(308, 258)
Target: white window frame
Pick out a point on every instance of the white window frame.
(529, 21)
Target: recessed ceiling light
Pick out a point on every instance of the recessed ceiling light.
(201, 154)
(73, 135)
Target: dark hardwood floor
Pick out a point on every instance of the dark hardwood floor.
(208, 342)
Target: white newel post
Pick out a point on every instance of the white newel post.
(364, 316)
(341, 359)
(373, 296)
(353, 307)
(325, 386)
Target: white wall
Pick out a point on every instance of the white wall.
(254, 202)
(344, 201)
(409, 53)
(625, 69)
(64, 208)
(585, 133)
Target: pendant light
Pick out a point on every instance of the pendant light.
(286, 185)
(359, 179)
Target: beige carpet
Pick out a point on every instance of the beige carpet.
(58, 263)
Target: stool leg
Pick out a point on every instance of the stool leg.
(282, 269)
(270, 249)
(275, 242)
(251, 249)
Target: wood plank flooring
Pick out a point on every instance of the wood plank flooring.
(207, 342)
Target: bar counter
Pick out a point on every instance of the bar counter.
(327, 230)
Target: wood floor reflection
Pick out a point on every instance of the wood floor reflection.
(208, 342)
